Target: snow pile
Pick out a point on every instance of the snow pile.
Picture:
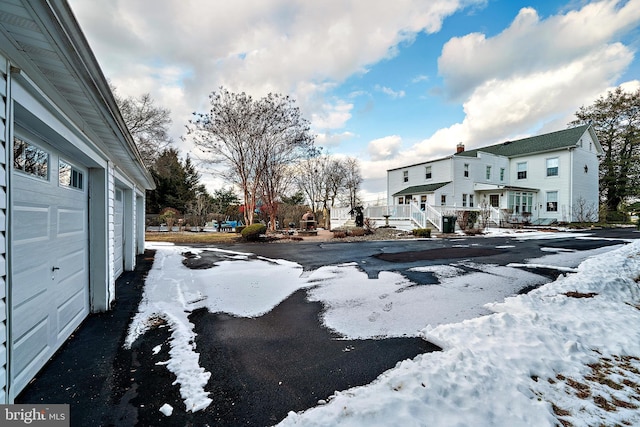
(538, 359)
(391, 305)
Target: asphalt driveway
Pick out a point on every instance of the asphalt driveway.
(261, 367)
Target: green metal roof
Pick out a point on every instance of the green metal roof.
(421, 189)
(535, 144)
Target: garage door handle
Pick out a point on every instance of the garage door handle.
(55, 268)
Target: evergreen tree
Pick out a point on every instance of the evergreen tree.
(177, 183)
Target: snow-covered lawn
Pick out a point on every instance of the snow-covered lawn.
(524, 360)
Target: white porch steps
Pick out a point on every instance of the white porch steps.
(350, 223)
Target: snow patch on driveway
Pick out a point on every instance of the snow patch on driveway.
(241, 284)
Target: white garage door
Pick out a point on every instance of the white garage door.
(50, 276)
(118, 239)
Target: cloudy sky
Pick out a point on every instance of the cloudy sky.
(390, 82)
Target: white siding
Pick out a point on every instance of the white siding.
(128, 222)
(440, 172)
(5, 125)
(118, 232)
(129, 229)
(496, 163)
(585, 182)
(537, 179)
(140, 223)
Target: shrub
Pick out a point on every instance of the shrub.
(463, 219)
(240, 228)
(422, 232)
(253, 231)
(473, 232)
(370, 225)
(473, 218)
(339, 234)
(616, 216)
(357, 232)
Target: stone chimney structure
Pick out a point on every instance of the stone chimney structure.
(459, 148)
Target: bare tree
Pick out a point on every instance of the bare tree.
(321, 178)
(310, 178)
(584, 211)
(353, 179)
(253, 139)
(277, 181)
(147, 123)
(485, 214)
(335, 180)
(199, 209)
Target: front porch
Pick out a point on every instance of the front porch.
(409, 216)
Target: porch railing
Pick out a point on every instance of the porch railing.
(430, 217)
(496, 216)
(434, 216)
(411, 213)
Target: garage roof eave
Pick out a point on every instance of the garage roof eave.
(52, 47)
(123, 146)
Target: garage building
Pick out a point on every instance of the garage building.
(72, 187)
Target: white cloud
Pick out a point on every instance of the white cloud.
(630, 86)
(533, 76)
(332, 139)
(332, 116)
(253, 46)
(384, 148)
(420, 78)
(388, 91)
(530, 45)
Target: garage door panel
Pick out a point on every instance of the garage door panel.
(31, 309)
(72, 285)
(31, 284)
(70, 315)
(50, 272)
(71, 264)
(31, 223)
(34, 346)
(71, 222)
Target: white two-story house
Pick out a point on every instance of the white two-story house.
(542, 179)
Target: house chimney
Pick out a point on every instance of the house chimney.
(459, 148)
